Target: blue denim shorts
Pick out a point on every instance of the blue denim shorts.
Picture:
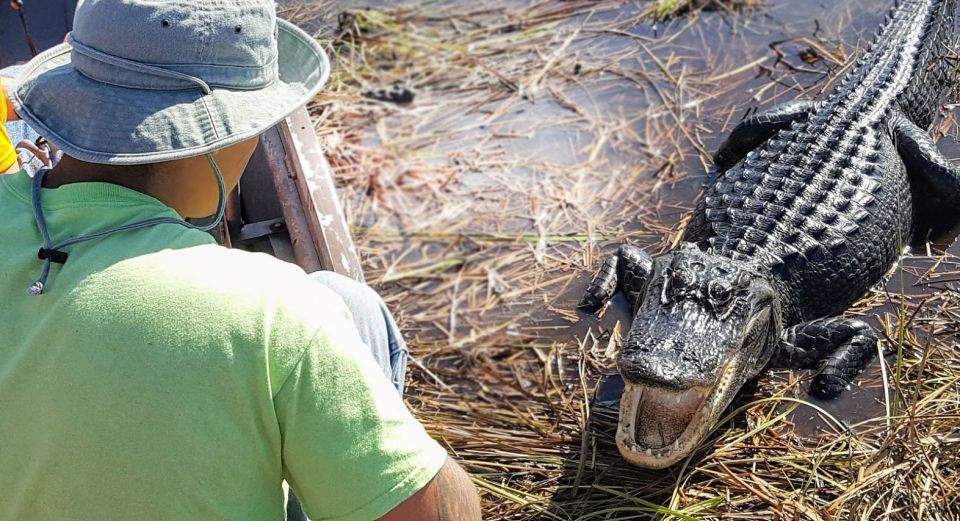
(376, 325)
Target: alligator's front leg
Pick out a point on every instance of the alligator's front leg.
(936, 179)
(626, 271)
(755, 130)
(841, 347)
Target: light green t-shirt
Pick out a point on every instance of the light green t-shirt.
(164, 377)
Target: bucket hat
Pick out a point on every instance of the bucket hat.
(146, 81)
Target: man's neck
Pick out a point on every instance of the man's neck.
(70, 171)
(187, 185)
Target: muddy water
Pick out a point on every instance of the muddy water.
(737, 42)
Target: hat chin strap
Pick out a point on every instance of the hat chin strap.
(52, 252)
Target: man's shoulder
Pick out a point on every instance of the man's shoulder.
(212, 267)
(218, 301)
(216, 284)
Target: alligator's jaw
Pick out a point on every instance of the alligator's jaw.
(659, 427)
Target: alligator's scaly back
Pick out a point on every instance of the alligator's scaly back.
(903, 64)
(797, 204)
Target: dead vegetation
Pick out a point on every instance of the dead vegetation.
(664, 9)
(541, 135)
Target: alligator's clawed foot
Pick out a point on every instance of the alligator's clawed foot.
(840, 347)
(603, 286)
(626, 271)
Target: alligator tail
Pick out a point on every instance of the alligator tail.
(935, 66)
(904, 68)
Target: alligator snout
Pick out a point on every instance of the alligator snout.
(670, 362)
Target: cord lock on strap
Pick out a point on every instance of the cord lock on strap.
(57, 256)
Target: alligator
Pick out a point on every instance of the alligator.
(813, 205)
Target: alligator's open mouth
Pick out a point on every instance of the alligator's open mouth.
(656, 424)
(659, 427)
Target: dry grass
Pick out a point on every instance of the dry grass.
(664, 9)
(541, 136)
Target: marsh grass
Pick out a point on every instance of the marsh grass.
(664, 9)
(541, 136)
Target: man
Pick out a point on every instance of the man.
(146, 373)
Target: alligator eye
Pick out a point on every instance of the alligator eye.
(680, 280)
(720, 292)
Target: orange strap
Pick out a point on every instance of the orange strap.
(11, 115)
(8, 155)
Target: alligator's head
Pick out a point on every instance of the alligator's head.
(706, 325)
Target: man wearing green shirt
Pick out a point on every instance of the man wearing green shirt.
(147, 373)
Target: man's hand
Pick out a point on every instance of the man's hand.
(451, 496)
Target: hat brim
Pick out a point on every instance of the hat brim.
(101, 123)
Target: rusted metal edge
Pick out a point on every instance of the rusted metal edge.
(304, 182)
(318, 196)
(279, 161)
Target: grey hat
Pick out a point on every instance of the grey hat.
(145, 81)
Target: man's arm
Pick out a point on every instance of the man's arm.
(450, 496)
